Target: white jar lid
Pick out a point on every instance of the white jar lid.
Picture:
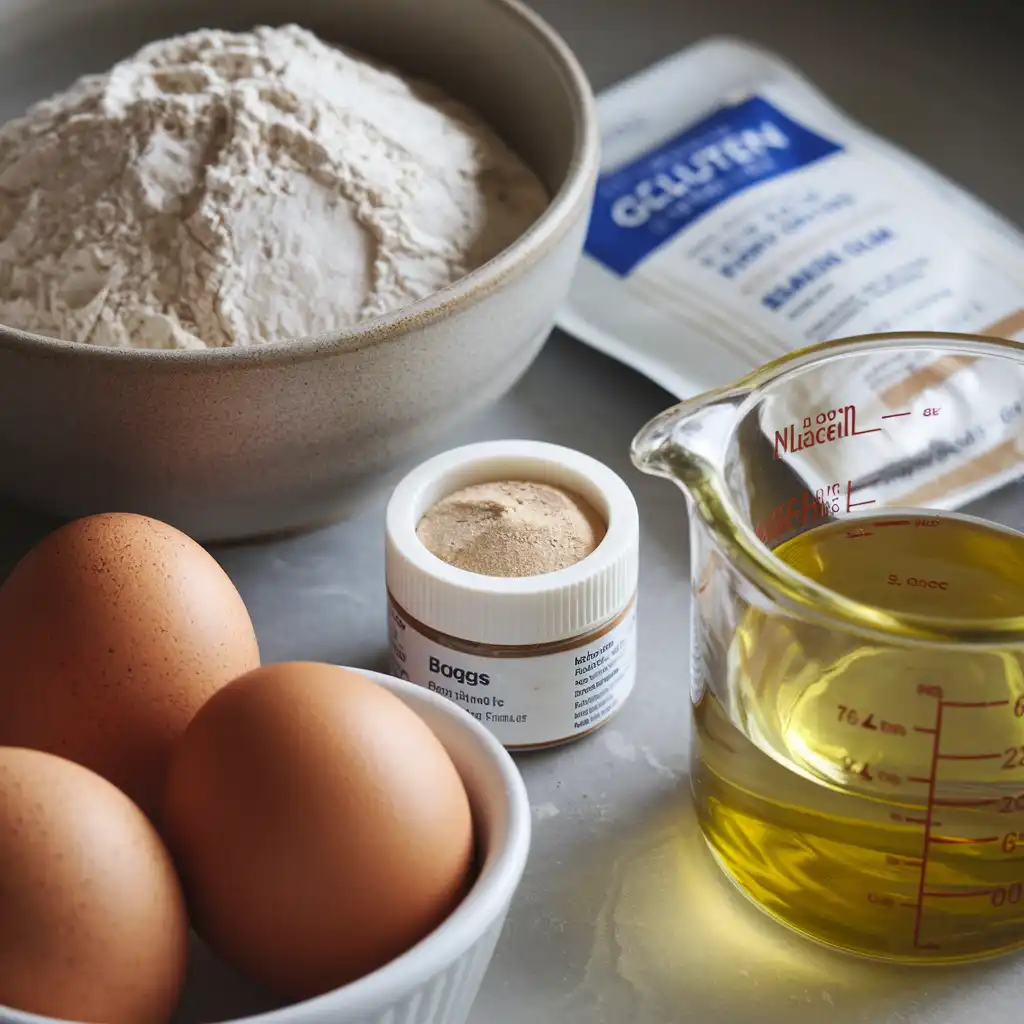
(525, 610)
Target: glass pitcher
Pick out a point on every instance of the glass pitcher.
(858, 638)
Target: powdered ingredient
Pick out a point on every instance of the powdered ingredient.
(222, 189)
(511, 528)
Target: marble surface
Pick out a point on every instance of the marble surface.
(621, 916)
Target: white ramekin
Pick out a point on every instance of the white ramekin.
(437, 980)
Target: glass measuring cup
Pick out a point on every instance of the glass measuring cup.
(858, 638)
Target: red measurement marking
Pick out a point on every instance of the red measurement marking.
(892, 522)
(926, 845)
(895, 415)
(801, 510)
(821, 428)
(930, 824)
(870, 430)
(850, 503)
(969, 757)
(975, 703)
(957, 895)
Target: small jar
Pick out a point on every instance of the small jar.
(539, 660)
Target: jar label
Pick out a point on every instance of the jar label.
(524, 699)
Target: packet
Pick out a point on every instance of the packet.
(740, 215)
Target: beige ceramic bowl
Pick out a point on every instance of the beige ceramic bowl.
(229, 444)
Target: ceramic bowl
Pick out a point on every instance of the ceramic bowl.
(437, 980)
(229, 444)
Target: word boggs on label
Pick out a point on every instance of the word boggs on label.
(532, 699)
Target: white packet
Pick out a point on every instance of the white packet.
(740, 215)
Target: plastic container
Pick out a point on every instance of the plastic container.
(539, 660)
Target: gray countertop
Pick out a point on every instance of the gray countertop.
(621, 916)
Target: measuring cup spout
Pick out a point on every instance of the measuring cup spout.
(686, 443)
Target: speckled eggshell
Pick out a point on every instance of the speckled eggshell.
(114, 631)
(92, 919)
(319, 826)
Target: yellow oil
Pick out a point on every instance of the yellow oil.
(872, 796)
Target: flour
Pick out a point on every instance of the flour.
(511, 528)
(222, 189)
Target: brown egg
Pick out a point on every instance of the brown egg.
(319, 826)
(114, 630)
(92, 918)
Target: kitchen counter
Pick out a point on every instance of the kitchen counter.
(622, 918)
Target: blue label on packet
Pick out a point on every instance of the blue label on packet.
(646, 203)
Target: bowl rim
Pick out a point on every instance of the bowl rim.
(485, 903)
(512, 261)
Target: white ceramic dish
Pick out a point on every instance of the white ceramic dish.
(437, 980)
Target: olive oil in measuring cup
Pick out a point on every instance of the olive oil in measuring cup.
(872, 795)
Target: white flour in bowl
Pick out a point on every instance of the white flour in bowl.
(222, 189)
